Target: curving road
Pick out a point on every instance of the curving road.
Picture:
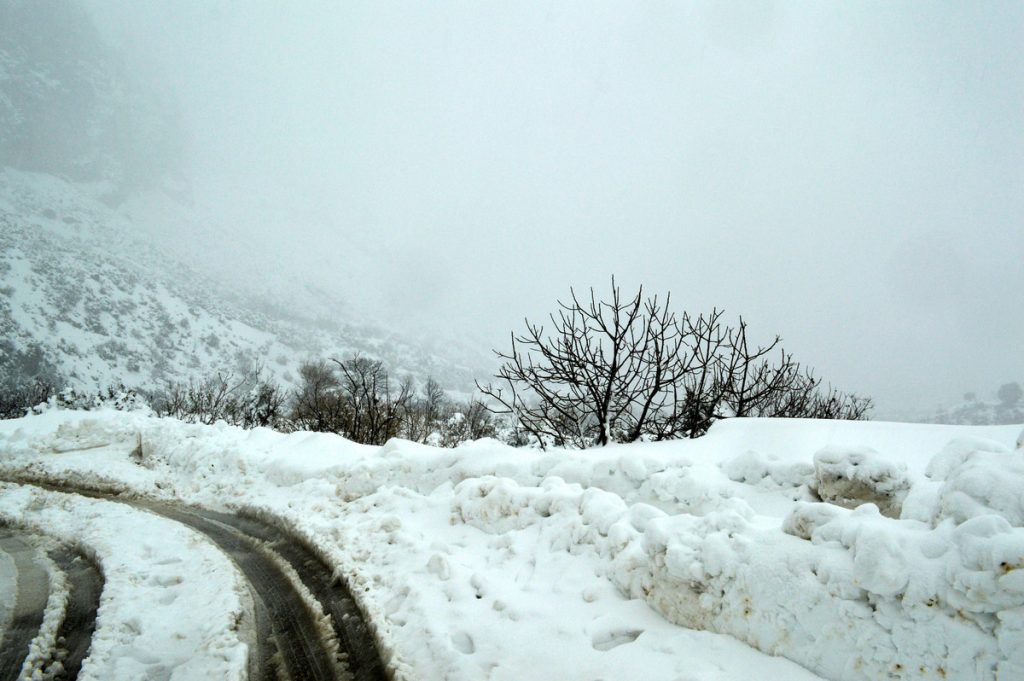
(32, 589)
(293, 644)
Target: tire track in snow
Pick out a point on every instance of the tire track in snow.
(291, 643)
(356, 642)
(30, 604)
(74, 635)
(301, 652)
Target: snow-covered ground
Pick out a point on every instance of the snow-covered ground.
(89, 290)
(173, 606)
(487, 562)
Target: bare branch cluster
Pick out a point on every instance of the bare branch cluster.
(629, 368)
(356, 398)
(249, 400)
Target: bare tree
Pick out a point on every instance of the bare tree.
(749, 379)
(374, 407)
(572, 387)
(425, 413)
(609, 371)
(697, 395)
(630, 369)
(316, 404)
(258, 402)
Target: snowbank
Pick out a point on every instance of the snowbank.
(851, 477)
(490, 562)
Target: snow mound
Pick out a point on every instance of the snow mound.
(985, 481)
(754, 468)
(849, 477)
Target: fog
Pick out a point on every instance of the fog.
(849, 176)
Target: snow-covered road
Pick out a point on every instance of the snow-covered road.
(487, 562)
(298, 622)
(49, 600)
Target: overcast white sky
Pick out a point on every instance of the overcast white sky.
(849, 175)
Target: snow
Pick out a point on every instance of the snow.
(8, 589)
(850, 477)
(171, 603)
(37, 663)
(84, 283)
(981, 482)
(713, 558)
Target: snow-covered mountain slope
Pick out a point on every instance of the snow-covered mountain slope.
(85, 296)
(107, 275)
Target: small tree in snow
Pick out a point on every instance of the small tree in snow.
(629, 368)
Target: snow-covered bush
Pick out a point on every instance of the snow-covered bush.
(114, 397)
(468, 421)
(37, 396)
(18, 400)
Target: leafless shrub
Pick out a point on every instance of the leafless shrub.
(469, 421)
(249, 401)
(629, 368)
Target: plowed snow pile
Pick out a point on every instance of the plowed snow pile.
(856, 550)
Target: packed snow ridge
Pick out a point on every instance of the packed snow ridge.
(856, 550)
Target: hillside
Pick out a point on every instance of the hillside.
(107, 273)
(84, 297)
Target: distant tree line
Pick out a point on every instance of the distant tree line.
(1007, 408)
(250, 400)
(621, 370)
(355, 397)
(358, 399)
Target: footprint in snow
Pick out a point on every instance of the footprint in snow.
(395, 602)
(525, 573)
(613, 638)
(463, 642)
